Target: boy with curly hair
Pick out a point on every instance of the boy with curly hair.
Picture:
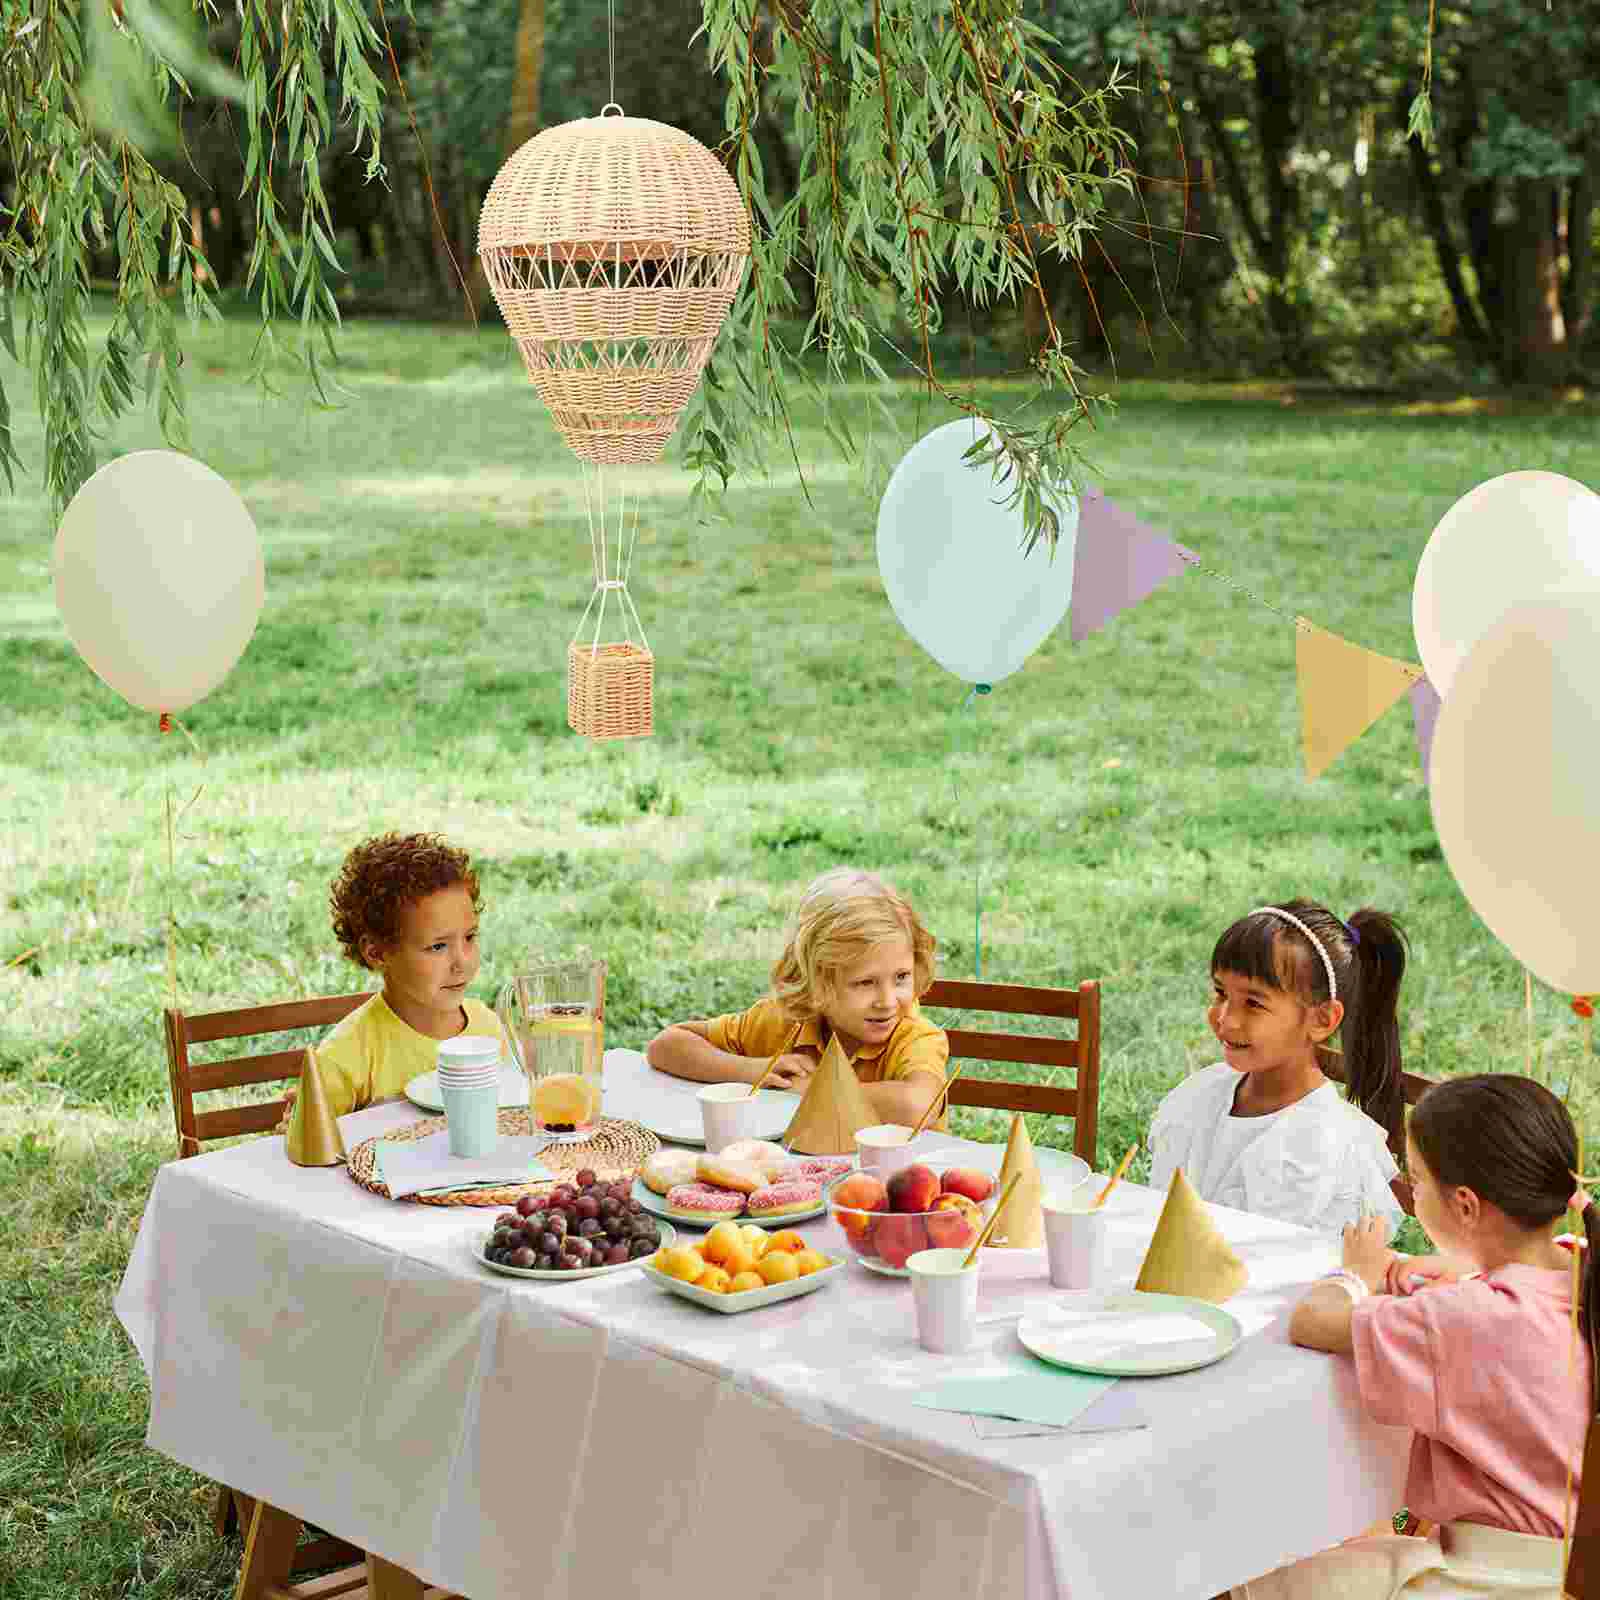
(404, 905)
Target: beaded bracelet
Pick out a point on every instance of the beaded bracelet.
(1351, 1282)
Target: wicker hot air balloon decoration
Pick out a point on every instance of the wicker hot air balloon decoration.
(614, 246)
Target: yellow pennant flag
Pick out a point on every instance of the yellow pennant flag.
(1344, 689)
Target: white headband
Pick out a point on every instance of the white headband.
(1316, 943)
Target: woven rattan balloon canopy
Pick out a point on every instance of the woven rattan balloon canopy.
(614, 246)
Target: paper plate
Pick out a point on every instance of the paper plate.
(1129, 1334)
(423, 1090)
(668, 1106)
(680, 1123)
(656, 1205)
(478, 1245)
(748, 1299)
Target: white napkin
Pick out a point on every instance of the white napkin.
(408, 1166)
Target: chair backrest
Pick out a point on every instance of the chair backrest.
(1412, 1086)
(1081, 1053)
(190, 1078)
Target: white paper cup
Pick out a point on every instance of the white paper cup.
(946, 1298)
(468, 1050)
(727, 1114)
(886, 1147)
(1075, 1239)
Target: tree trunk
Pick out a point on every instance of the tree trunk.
(1276, 130)
(1577, 293)
(523, 122)
(1533, 333)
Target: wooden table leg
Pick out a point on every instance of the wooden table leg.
(268, 1551)
(385, 1581)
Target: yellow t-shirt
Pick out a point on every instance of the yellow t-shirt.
(916, 1045)
(372, 1054)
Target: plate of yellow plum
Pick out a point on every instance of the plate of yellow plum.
(740, 1266)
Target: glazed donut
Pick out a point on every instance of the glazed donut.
(721, 1173)
(666, 1169)
(768, 1159)
(818, 1169)
(784, 1199)
(701, 1200)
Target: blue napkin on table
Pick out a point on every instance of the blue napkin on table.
(1031, 1391)
(416, 1166)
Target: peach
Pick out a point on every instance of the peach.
(756, 1238)
(681, 1261)
(809, 1261)
(741, 1258)
(898, 1238)
(913, 1188)
(715, 1279)
(722, 1239)
(862, 1243)
(861, 1192)
(976, 1186)
(745, 1281)
(785, 1242)
(953, 1222)
(778, 1266)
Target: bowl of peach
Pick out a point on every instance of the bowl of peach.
(886, 1223)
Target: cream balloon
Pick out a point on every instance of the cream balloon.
(1514, 777)
(950, 554)
(159, 578)
(1500, 545)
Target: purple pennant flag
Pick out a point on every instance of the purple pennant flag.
(1119, 561)
(1425, 704)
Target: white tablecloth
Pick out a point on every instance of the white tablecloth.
(345, 1358)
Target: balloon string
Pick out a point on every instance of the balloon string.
(168, 722)
(977, 860)
(1527, 1008)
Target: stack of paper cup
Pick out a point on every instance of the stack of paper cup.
(469, 1085)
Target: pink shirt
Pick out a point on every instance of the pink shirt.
(1479, 1371)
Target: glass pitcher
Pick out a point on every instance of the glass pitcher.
(554, 1017)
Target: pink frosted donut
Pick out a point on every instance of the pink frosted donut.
(817, 1169)
(783, 1199)
(701, 1200)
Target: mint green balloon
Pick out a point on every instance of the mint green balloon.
(950, 555)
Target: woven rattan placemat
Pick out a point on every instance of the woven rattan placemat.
(616, 1150)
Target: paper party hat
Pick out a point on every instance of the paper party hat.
(1021, 1222)
(313, 1139)
(1188, 1255)
(832, 1109)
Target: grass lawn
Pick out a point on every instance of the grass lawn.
(1114, 804)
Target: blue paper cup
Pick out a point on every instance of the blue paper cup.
(471, 1118)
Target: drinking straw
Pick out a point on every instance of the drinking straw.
(1116, 1177)
(933, 1107)
(983, 1238)
(755, 1087)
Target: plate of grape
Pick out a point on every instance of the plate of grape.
(579, 1230)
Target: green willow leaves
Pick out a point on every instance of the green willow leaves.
(941, 151)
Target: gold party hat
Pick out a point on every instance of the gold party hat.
(1188, 1255)
(1021, 1222)
(833, 1108)
(313, 1139)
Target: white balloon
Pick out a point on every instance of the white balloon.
(159, 578)
(950, 554)
(1500, 545)
(1515, 784)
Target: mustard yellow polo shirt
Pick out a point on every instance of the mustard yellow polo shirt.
(916, 1045)
(372, 1054)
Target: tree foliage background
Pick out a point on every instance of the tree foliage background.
(1083, 189)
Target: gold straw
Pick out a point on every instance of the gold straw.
(933, 1107)
(756, 1086)
(983, 1238)
(1116, 1177)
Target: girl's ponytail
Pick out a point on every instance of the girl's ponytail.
(1370, 1032)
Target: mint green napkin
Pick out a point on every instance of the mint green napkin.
(424, 1166)
(1033, 1391)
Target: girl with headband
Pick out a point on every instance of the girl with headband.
(1264, 1130)
(1493, 1371)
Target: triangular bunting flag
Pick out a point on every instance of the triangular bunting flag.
(1119, 561)
(1425, 703)
(1344, 689)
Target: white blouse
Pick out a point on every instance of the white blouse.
(1321, 1162)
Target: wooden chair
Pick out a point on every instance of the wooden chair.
(195, 1128)
(1082, 1052)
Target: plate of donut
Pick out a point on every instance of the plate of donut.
(754, 1182)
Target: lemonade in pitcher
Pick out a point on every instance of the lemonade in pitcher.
(554, 1017)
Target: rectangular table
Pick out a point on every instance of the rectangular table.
(345, 1358)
